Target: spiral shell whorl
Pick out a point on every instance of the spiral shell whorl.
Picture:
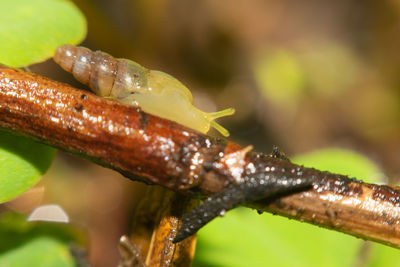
(105, 75)
(95, 69)
(130, 78)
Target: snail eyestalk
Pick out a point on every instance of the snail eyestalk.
(214, 115)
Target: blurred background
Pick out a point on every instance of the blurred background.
(301, 75)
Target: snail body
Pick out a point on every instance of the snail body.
(129, 83)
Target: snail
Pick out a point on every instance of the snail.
(129, 83)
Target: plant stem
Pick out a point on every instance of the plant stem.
(157, 151)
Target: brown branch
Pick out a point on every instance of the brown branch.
(155, 225)
(158, 151)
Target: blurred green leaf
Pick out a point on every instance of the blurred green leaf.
(341, 161)
(379, 255)
(34, 244)
(244, 238)
(31, 30)
(41, 251)
(355, 165)
(331, 67)
(280, 76)
(22, 163)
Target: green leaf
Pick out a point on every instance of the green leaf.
(244, 238)
(35, 244)
(341, 161)
(280, 77)
(22, 163)
(41, 251)
(339, 71)
(31, 30)
(379, 255)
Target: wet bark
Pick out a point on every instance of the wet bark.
(157, 151)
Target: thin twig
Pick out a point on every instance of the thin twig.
(158, 151)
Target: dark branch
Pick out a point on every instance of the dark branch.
(159, 151)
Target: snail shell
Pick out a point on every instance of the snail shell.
(104, 74)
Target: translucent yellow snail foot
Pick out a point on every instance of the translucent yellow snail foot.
(215, 115)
